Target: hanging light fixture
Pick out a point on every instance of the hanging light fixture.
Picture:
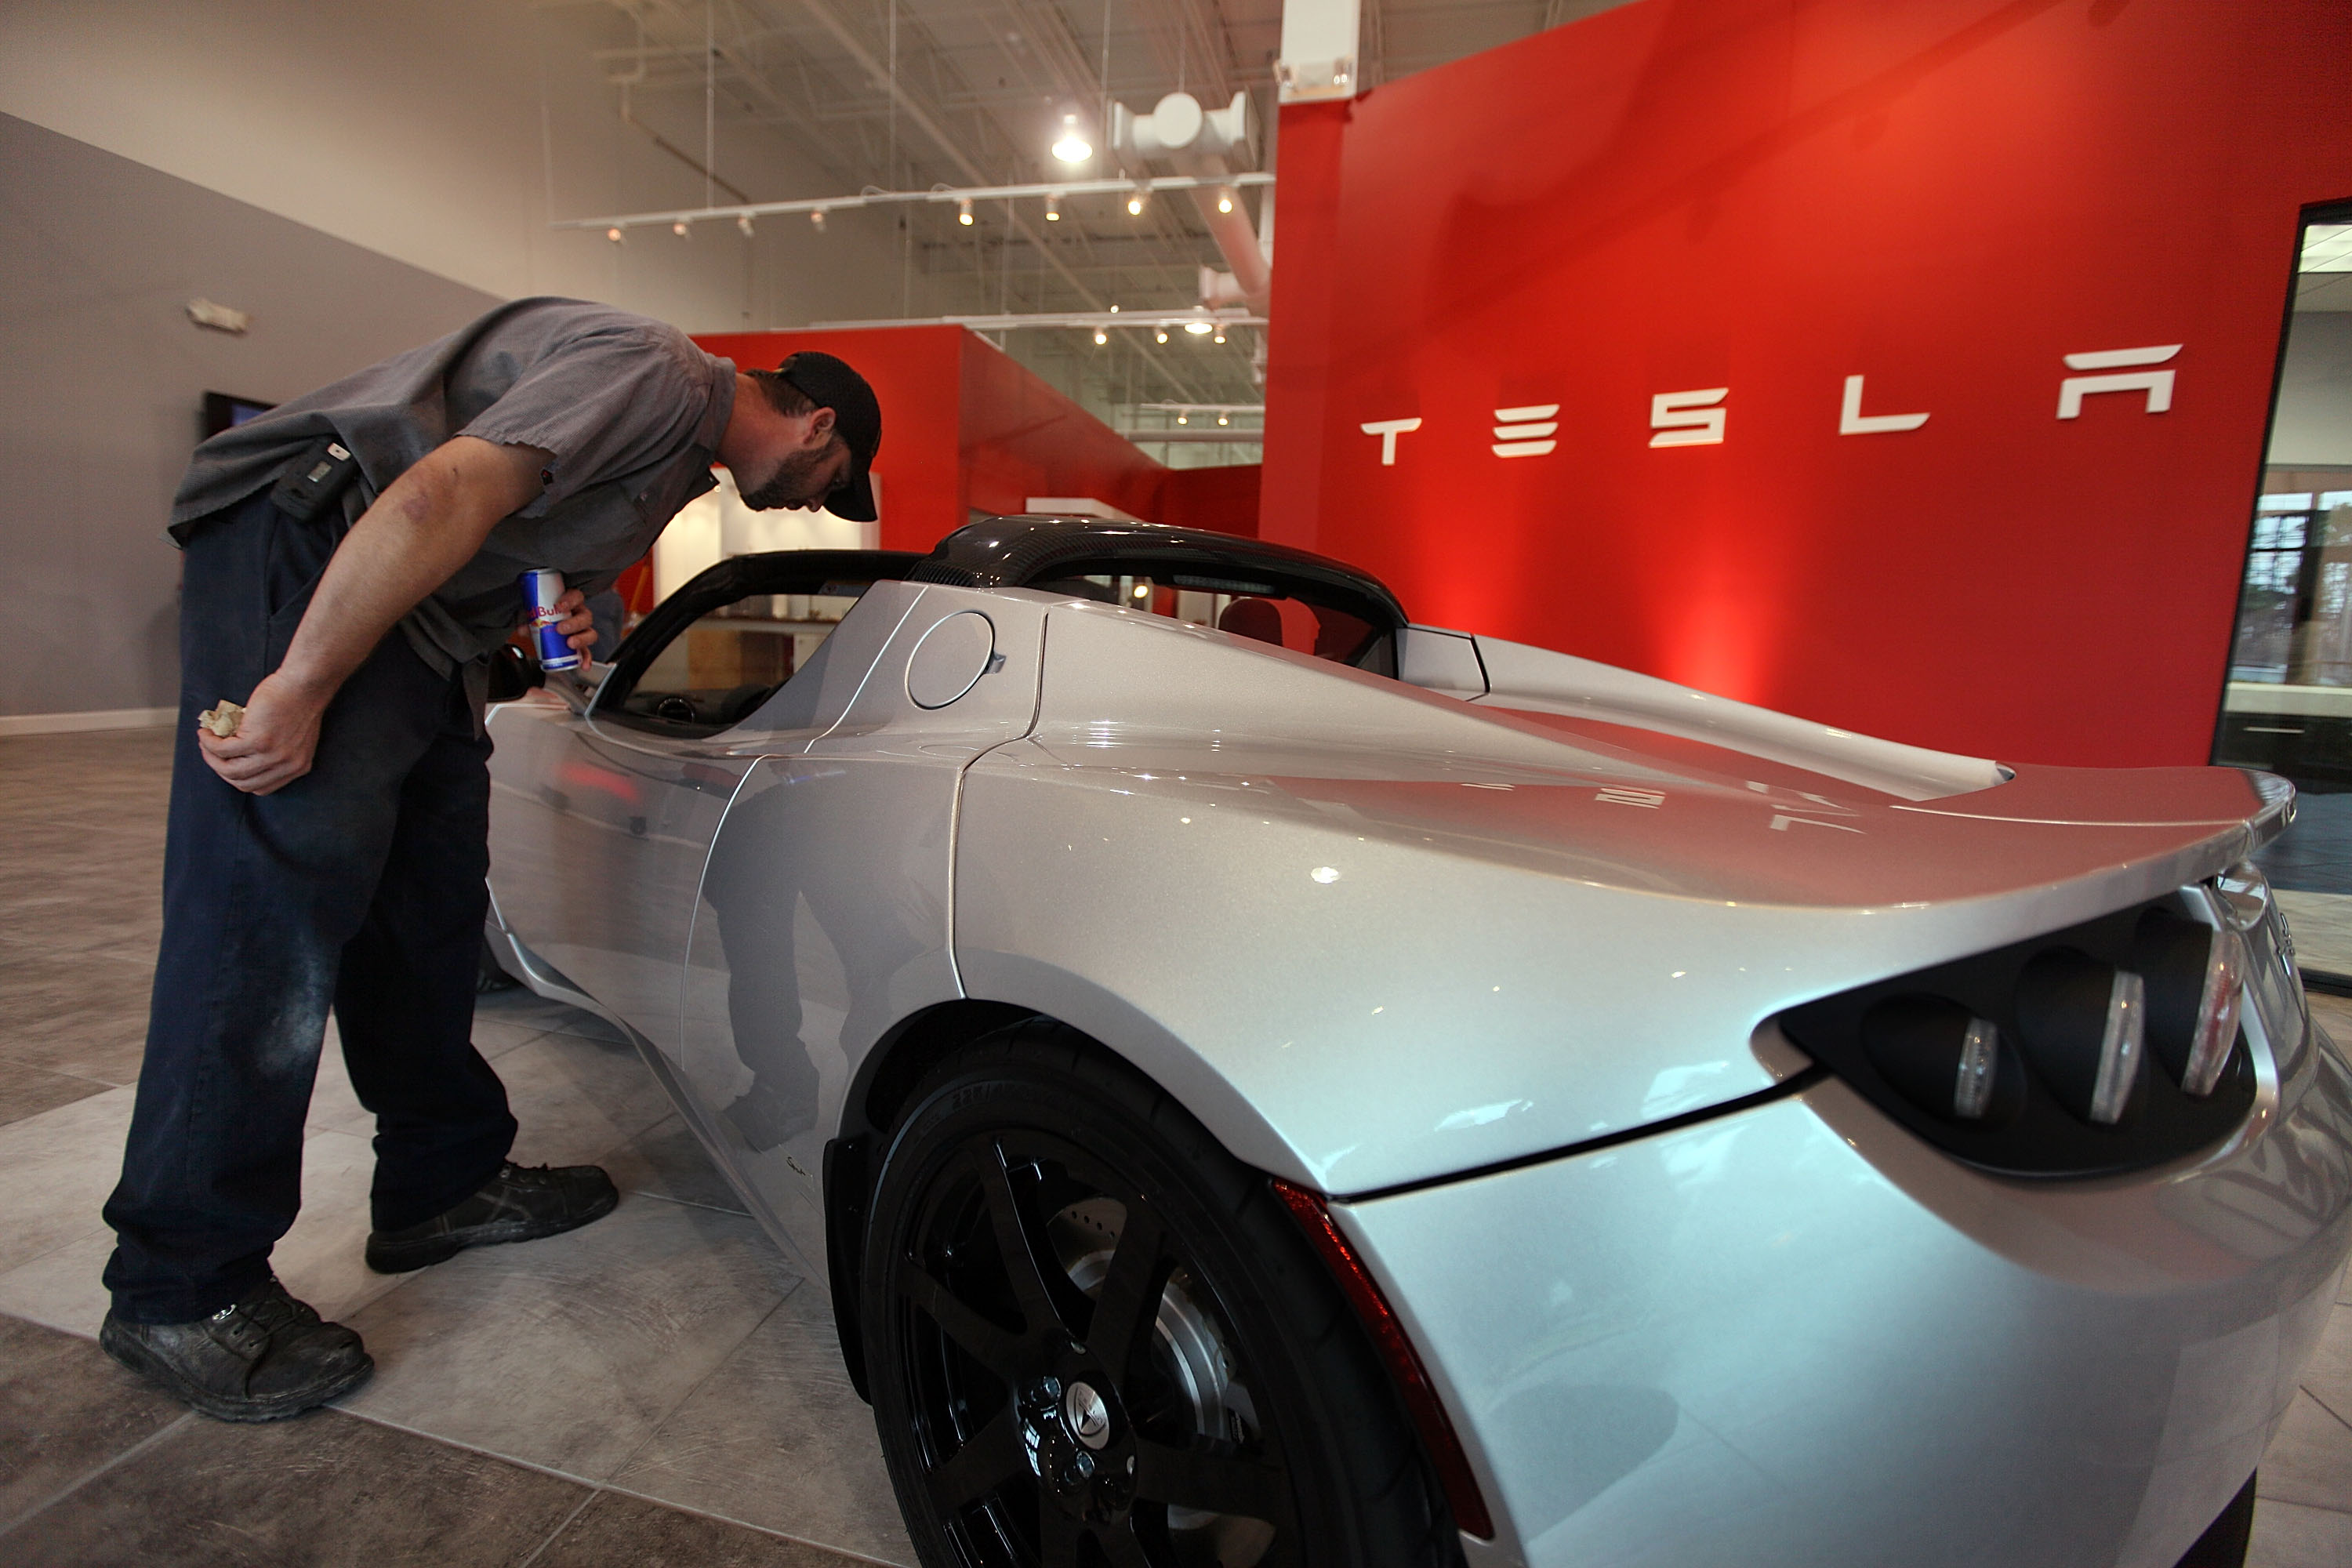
(679, 229)
(1183, 419)
(1071, 147)
(1053, 207)
(1160, 336)
(1225, 199)
(964, 210)
(744, 225)
(1219, 336)
(1135, 201)
(816, 219)
(614, 234)
(1101, 337)
(1199, 328)
(1223, 420)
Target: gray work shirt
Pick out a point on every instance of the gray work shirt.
(630, 407)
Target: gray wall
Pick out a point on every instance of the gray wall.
(102, 379)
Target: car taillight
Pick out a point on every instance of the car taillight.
(2031, 1059)
(1937, 1054)
(2085, 1025)
(1428, 1412)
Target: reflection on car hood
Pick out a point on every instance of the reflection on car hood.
(1410, 935)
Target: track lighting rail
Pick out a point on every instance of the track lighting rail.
(746, 210)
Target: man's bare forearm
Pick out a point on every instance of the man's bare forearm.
(424, 526)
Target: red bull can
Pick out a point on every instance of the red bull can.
(541, 589)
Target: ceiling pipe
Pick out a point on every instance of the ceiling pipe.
(1202, 143)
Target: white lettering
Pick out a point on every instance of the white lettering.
(1524, 432)
(1619, 796)
(2156, 384)
(1853, 421)
(1685, 419)
(1780, 823)
(1388, 430)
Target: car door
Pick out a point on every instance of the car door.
(602, 819)
(824, 914)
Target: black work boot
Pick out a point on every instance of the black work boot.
(266, 1358)
(521, 1202)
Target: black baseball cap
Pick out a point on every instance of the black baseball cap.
(830, 383)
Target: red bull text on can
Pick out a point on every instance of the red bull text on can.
(541, 589)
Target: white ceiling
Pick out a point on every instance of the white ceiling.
(917, 93)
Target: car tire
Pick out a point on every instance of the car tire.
(1250, 1423)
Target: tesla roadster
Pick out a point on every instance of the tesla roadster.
(1271, 1083)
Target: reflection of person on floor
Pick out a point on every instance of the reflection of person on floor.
(774, 854)
(329, 849)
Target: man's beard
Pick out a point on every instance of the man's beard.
(793, 484)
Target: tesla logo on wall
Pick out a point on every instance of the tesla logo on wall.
(1688, 419)
(1525, 432)
(1699, 418)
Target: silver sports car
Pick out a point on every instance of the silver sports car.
(1270, 1083)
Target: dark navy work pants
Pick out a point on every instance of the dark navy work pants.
(359, 886)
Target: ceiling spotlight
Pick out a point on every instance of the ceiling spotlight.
(1225, 201)
(1199, 328)
(1101, 336)
(1160, 336)
(1053, 207)
(1135, 201)
(679, 229)
(816, 219)
(1220, 337)
(1223, 420)
(614, 234)
(744, 225)
(963, 212)
(1143, 590)
(1071, 147)
(1183, 419)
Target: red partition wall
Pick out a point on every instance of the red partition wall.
(1737, 206)
(914, 373)
(965, 428)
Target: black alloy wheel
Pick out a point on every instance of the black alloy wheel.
(1097, 1341)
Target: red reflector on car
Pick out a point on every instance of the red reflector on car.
(1429, 1417)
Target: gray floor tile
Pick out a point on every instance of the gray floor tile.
(29, 1090)
(2310, 1461)
(2321, 924)
(570, 1352)
(667, 1160)
(324, 1489)
(2287, 1535)
(577, 1099)
(778, 1438)
(60, 1288)
(65, 1409)
(2327, 1377)
(617, 1531)
(320, 1259)
(57, 1168)
(84, 1015)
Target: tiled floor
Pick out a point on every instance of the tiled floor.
(656, 1388)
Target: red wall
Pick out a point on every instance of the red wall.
(964, 427)
(1022, 438)
(913, 373)
(1945, 196)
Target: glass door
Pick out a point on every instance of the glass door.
(2288, 705)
